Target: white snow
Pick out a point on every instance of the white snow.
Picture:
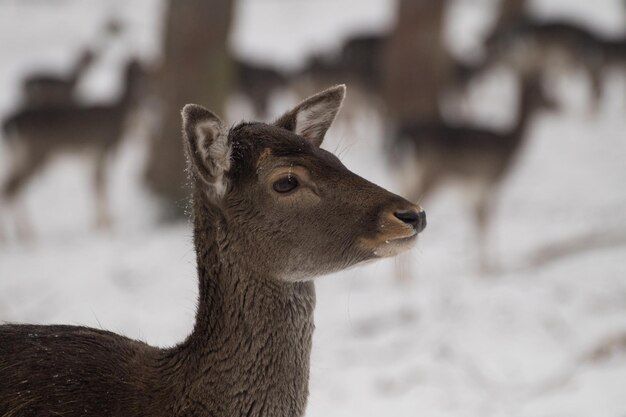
(450, 343)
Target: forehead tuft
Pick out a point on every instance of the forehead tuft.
(258, 145)
(257, 138)
(265, 155)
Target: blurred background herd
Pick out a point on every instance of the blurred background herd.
(518, 107)
(406, 74)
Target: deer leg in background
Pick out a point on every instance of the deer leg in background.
(3, 233)
(594, 70)
(103, 217)
(21, 172)
(482, 211)
(23, 225)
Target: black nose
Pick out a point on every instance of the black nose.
(414, 218)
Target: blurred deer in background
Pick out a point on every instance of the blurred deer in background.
(477, 158)
(532, 46)
(36, 134)
(258, 82)
(48, 89)
(358, 62)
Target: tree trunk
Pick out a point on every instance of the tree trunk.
(417, 64)
(196, 68)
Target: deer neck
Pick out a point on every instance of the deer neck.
(249, 351)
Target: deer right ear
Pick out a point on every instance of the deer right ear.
(206, 143)
(313, 117)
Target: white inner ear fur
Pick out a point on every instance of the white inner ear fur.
(313, 121)
(216, 152)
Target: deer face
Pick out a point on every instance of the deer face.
(292, 206)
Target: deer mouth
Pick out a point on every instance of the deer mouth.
(393, 247)
(404, 239)
(387, 246)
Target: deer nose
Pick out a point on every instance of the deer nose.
(414, 218)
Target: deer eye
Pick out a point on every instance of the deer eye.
(286, 184)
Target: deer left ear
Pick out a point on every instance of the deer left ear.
(313, 117)
(207, 147)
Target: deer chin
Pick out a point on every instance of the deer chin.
(396, 246)
(385, 247)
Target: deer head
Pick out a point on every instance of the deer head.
(290, 208)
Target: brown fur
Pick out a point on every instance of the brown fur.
(257, 251)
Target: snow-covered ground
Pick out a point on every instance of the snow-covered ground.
(452, 342)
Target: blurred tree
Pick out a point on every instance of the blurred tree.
(196, 68)
(417, 64)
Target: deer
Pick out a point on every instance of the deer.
(44, 89)
(532, 46)
(258, 82)
(359, 59)
(37, 134)
(359, 62)
(47, 89)
(478, 158)
(271, 210)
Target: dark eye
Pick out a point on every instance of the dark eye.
(286, 184)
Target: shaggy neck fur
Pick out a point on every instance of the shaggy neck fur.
(249, 352)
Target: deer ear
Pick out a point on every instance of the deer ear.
(206, 143)
(313, 117)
